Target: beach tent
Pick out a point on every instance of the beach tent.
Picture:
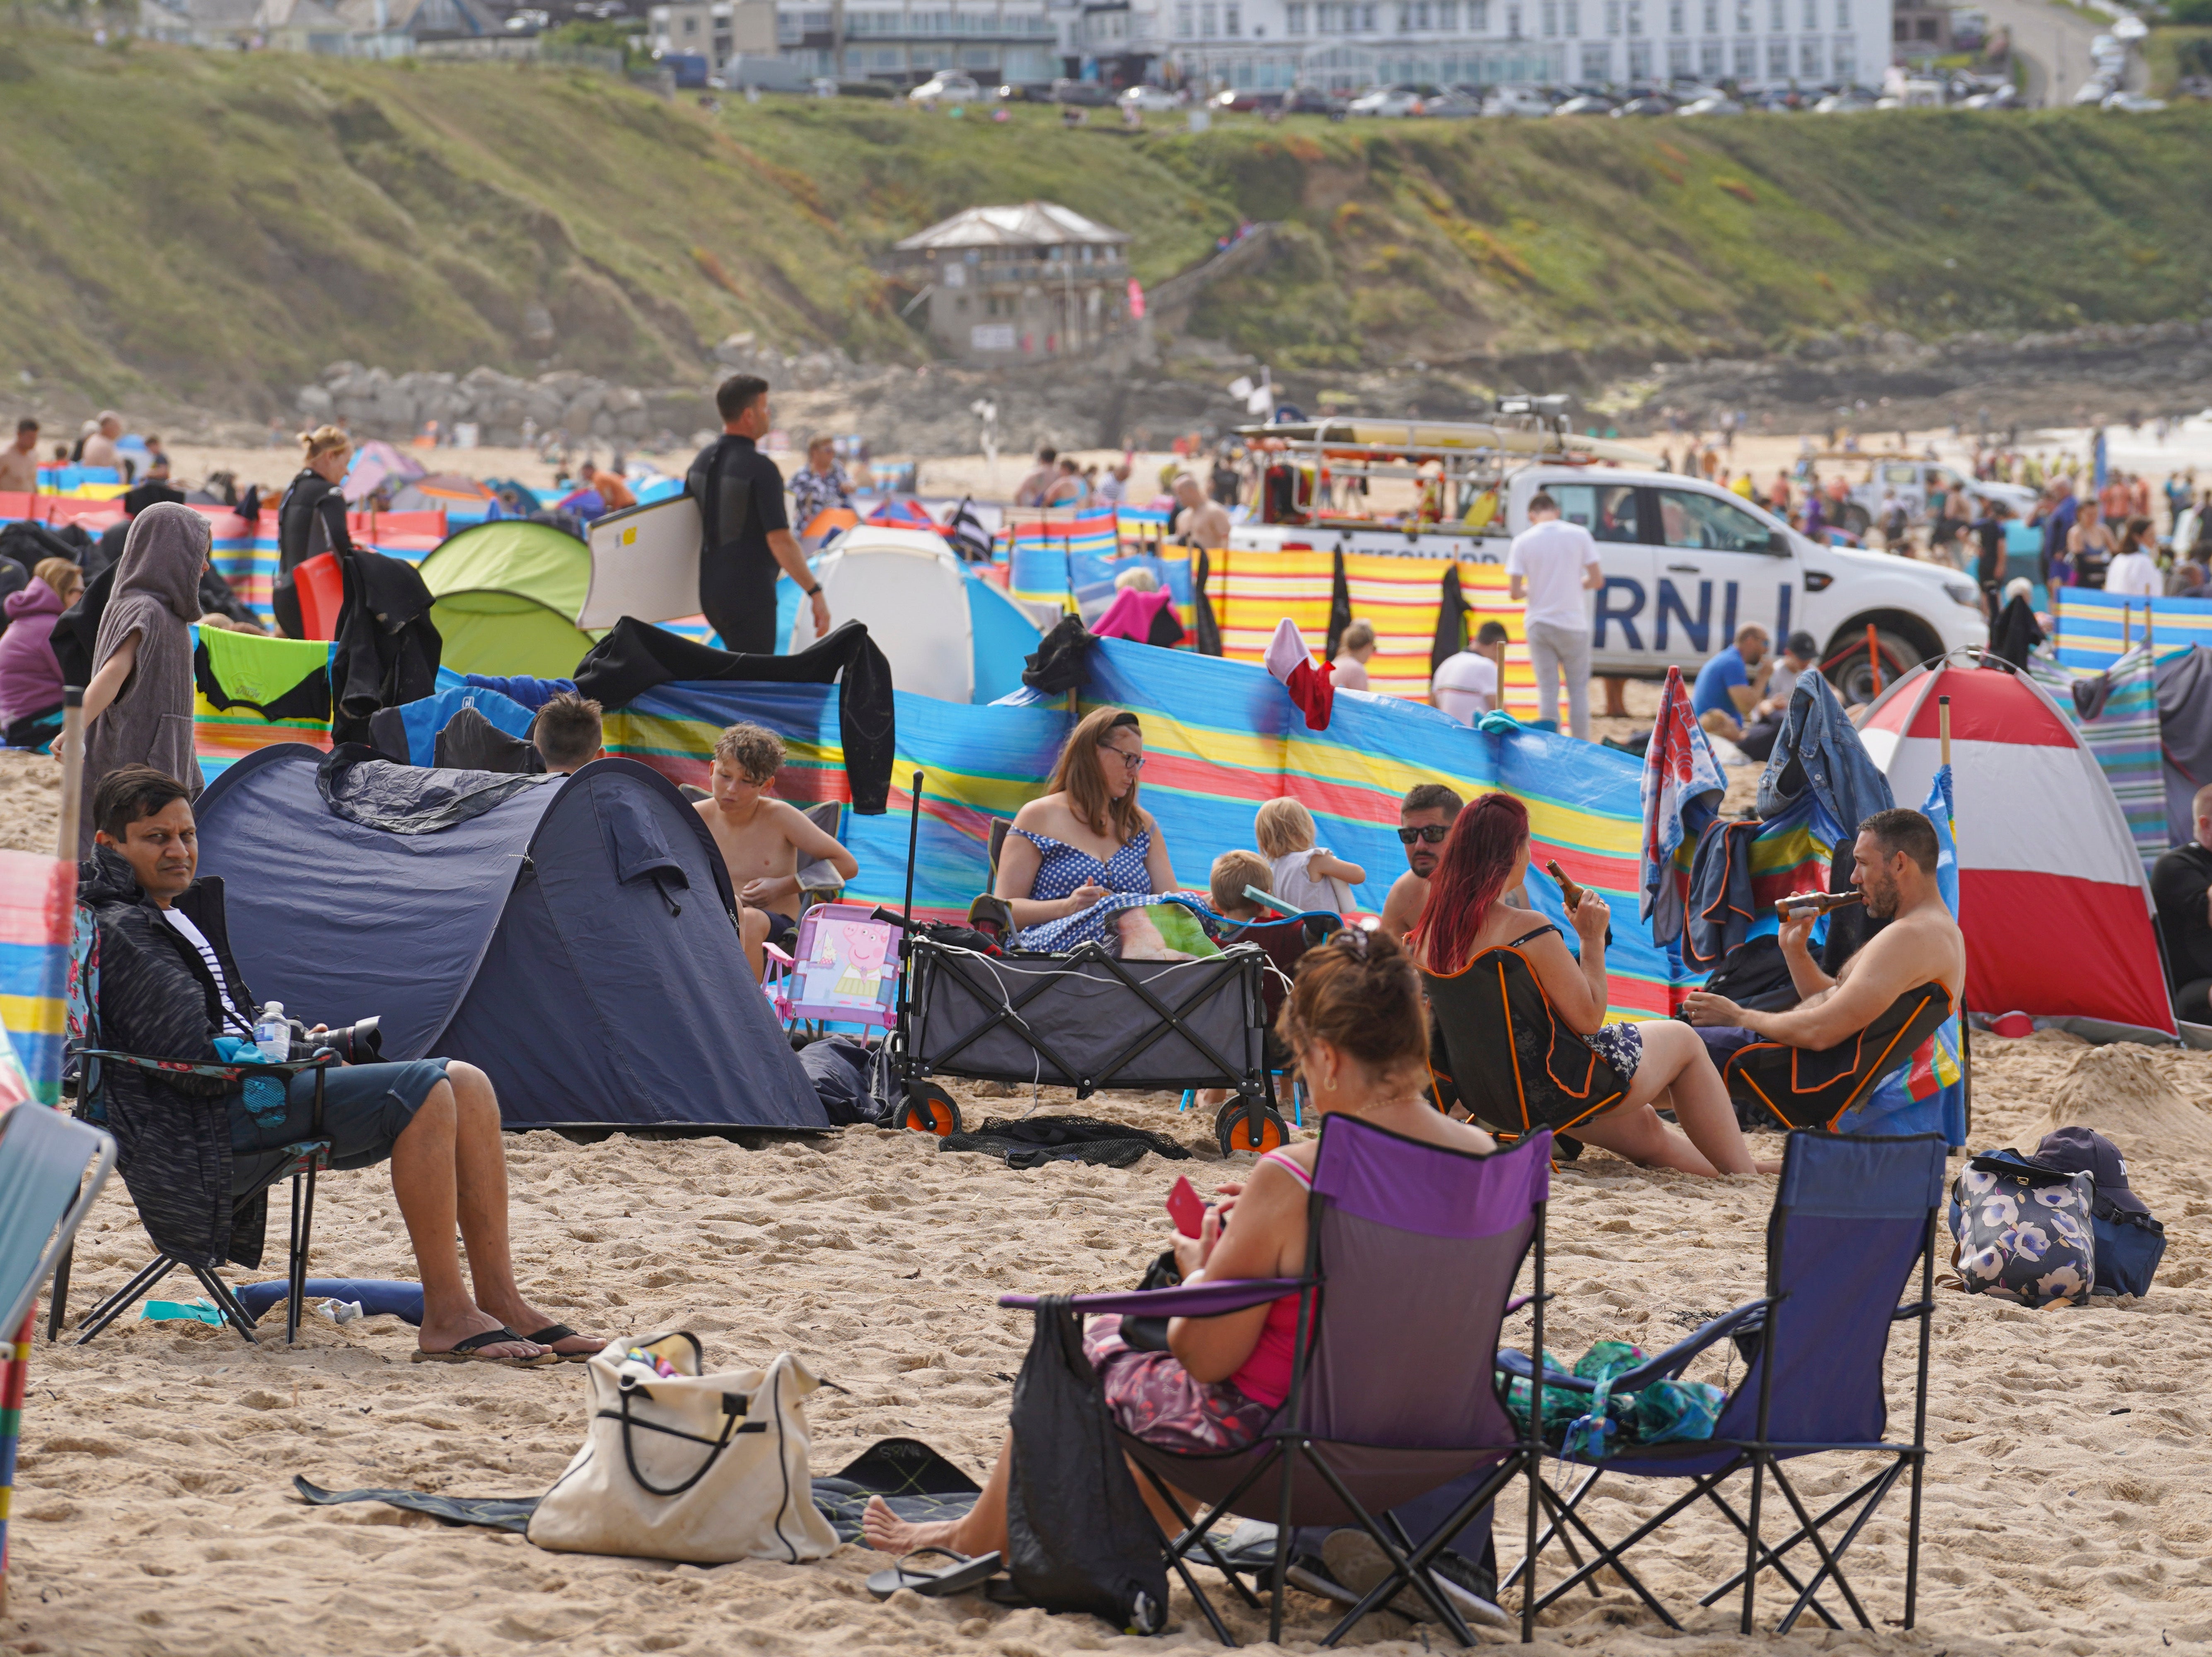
(2051, 894)
(376, 463)
(507, 593)
(462, 499)
(896, 512)
(573, 940)
(948, 633)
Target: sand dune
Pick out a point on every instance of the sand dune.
(2069, 1501)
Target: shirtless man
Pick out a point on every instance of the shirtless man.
(762, 840)
(1425, 817)
(1896, 851)
(1199, 522)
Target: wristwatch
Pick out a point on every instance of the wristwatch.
(816, 588)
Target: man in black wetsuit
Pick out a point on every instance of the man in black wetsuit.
(2181, 887)
(746, 535)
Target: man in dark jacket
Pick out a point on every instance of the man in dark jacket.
(191, 1146)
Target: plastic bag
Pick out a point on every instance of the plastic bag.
(1078, 1538)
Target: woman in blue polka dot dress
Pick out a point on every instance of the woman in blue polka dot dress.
(1083, 854)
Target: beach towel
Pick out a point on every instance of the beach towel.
(1681, 793)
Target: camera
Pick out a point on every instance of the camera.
(361, 1043)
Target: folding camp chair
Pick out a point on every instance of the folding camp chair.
(1411, 1251)
(1514, 1064)
(1851, 1215)
(1806, 1088)
(51, 1169)
(300, 1164)
(819, 881)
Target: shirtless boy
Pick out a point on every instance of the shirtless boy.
(762, 841)
(1424, 818)
(1922, 944)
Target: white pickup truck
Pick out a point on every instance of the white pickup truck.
(1688, 563)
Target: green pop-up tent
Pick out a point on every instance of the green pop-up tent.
(507, 593)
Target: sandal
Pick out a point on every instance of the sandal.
(470, 1349)
(559, 1332)
(962, 1574)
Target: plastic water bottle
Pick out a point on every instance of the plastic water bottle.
(272, 1033)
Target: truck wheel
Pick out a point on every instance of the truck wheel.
(1853, 674)
(1857, 520)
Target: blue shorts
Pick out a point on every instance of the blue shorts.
(366, 1107)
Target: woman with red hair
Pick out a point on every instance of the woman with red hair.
(1485, 857)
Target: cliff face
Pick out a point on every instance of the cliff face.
(219, 227)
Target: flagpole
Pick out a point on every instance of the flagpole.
(1966, 1027)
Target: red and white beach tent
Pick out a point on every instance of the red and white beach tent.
(2058, 920)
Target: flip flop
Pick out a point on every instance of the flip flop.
(959, 1577)
(557, 1331)
(470, 1350)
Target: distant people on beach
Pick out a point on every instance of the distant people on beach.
(2134, 572)
(99, 446)
(1549, 565)
(1731, 683)
(567, 732)
(1030, 492)
(1486, 856)
(1067, 487)
(1465, 683)
(1353, 652)
(1197, 522)
(190, 1144)
(30, 677)
(2181, 888)
(763, 841)
(745, 538)
(2089, 544)
(18, 461)
(311, 519)
(821, 485)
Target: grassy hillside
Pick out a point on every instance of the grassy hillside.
(221, 226)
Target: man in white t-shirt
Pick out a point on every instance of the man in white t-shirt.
(1552, 564)
(1465, 685)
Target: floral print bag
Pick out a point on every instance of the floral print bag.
(2025, 1232)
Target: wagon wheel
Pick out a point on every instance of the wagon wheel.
(929, 1110)
(1248, 1125)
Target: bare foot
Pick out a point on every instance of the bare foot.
(886, 1533)
(442, 1335)
(1767, 1165)
(1213, 1098)
(519, 1315)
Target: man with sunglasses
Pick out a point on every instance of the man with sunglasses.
(1425, 817)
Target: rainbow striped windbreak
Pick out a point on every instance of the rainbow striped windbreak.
(1221, 736)
(2094, 626)
(38, 900)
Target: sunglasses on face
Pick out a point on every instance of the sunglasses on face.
(1134, 761)
(1433, 833)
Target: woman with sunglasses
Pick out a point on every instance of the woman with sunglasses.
(1082, 855)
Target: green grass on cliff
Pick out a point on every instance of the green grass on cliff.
(222, 226)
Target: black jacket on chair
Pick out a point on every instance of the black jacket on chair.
(158, 999)
(387, 649)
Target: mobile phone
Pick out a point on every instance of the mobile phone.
(1185, 1208)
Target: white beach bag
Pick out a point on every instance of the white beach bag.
(701, 1468)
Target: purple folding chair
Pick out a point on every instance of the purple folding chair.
(1851, 1217)
(1411, 1251)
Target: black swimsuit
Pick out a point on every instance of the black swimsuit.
(1620, 1044)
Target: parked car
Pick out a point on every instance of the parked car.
(1388, 102)
(1089, 93)
(2133, 103)
(2003, 97)
(946, 89)
(1026, 92)
(1149, 97)
(1685, 561)
(1312, 101)
(1587, 104)
(1242, 100)
(1516, 100)
(1453, 104)
(1712, 103)
(1849, 101)
(2096, 89)
(1651, 104)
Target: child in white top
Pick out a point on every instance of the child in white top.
(1306, 876)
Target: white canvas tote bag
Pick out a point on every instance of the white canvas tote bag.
(701, 1468)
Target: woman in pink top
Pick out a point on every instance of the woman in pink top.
(1355, 1020)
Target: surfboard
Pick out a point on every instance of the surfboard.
(645, 562)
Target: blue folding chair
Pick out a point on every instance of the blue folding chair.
(1851, 1217)
(51, 1169)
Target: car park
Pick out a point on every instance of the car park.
(1586, 104)
(1713, 104)
(1849, 101)
(1088, 93)
(1516, 100)
(1312, 101)
(2132, 103)
(1389, 103)
(1453, 104)
(1650, 103)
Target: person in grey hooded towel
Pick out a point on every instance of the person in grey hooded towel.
(138, 707)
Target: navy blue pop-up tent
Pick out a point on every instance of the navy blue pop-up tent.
(570, 936)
